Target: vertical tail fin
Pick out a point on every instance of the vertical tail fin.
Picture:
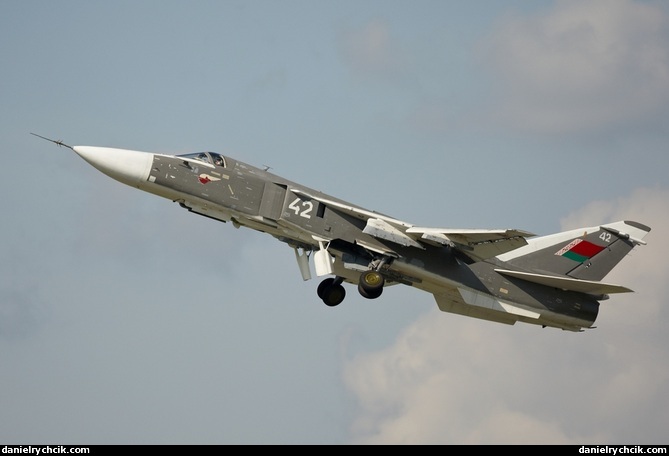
(585, 253)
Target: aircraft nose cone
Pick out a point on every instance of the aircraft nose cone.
(128, 166)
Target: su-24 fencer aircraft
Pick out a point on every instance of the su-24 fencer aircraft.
(500, 275)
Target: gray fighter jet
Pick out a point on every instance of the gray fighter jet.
(500, 275)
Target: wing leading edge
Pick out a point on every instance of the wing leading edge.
(478, 244)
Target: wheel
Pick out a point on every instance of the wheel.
(331, 291)
(369, 294)
(326, 283)
(371, 284)
(334, 295)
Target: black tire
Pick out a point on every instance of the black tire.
(325, 284)
(331, 291)
(371, 284)
(369, 294)
(334, 294)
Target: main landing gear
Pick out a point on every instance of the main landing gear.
(332, 292)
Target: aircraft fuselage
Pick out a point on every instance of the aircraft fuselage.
(494, 275)
(249, 196)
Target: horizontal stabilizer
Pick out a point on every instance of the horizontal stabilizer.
(567, 283)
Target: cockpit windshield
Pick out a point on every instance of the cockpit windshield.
(207, 157)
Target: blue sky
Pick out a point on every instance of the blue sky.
(124, 319)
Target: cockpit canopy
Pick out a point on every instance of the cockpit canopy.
(211, 158)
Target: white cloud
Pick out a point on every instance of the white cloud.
(452, 380)
(583, 65)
